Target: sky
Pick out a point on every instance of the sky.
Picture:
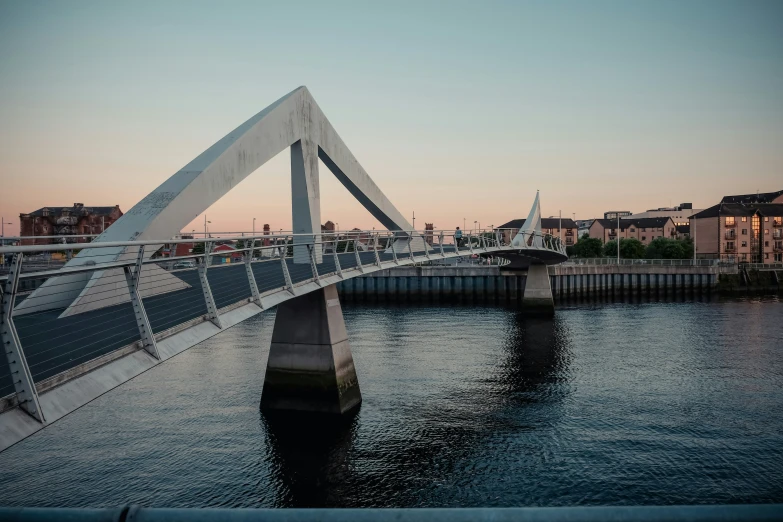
(459, 111)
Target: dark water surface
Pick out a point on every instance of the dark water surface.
(661, 403)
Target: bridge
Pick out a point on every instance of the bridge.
(117, 309)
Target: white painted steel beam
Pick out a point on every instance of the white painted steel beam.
(139, 313)
(293, 119)
(212, 311)
(26, 393)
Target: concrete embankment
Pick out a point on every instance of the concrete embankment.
(494, 284)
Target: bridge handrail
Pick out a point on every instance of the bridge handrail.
(695, 513)
(278, 267)
(553, 242)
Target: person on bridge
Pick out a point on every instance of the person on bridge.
(458, 237)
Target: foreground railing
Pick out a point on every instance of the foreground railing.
(117, 297)
(703, 513)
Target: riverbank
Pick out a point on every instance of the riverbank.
(499, 285)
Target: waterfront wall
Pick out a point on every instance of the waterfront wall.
(494, 284)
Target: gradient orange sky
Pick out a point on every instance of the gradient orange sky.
(458, 113)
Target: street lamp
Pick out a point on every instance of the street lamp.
(254, 226)
(617, 237)
(4, 223)
(475, 225)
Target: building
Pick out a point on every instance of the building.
(747, 228)
(428, 232)
(679, 214)
(613, 215)
(644, 229)
(683, 231)
(583, 227)
(65, 222)
(565, 228)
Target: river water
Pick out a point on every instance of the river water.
(657, 403)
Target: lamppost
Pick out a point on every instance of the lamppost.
(254, 226)
(475, 225)
(617, 237)
(4, 223)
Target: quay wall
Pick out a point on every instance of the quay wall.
(494, 284)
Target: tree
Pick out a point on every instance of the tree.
(630, 248)
(586, 246)
(240, 244)
(198, 248)
(664, 248)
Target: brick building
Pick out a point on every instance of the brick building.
(743, 228)
(643, 229)
(66, 221)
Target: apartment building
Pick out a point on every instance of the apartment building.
(644, 229)
(741, 232)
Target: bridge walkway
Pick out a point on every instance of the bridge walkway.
(54, 345)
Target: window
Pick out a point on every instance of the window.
(744, 231)
(766, 256)
(644, 238)
(729, 221)
(766, 244)
(744, 219)
(643, 230)
(730, 246)
(766, 220)
(632, 230)
(766, 232)
(744, 243)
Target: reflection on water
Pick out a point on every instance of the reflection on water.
(310, 456)
(620, 403)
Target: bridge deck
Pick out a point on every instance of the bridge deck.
(53, 345)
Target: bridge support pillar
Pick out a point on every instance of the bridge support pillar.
(537, 298)
(310, 365)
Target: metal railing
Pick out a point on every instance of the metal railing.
(116, 297)
(700, 513)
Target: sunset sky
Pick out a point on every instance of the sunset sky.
(455, 109)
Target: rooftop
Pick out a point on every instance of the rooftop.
(545, 223)
(764, 197)
(75, 209)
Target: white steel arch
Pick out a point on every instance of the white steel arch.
(295, 121)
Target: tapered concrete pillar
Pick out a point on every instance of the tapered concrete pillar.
(310, 365)
(537, 298)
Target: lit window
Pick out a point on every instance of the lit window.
(766, 231)
(729, 220)
(744, 219)
(766, 220)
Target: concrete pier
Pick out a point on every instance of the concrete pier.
(310, 365)
(537, 298)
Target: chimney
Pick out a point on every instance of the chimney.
(266, 229)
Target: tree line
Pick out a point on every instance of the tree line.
(659, 248)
